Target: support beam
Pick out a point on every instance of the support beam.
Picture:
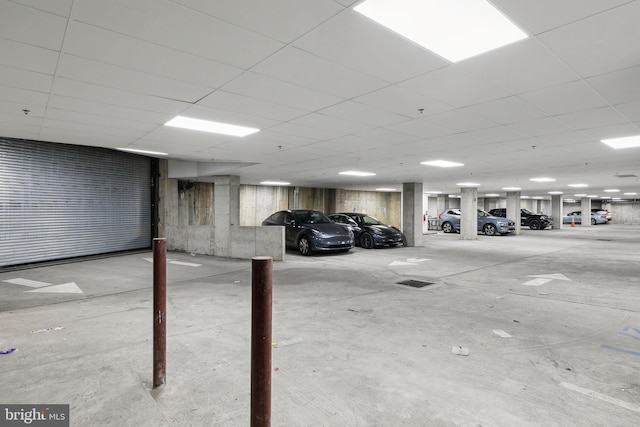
(412, 213)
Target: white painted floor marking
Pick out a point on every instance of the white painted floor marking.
(410, 261)
(188, 264)
(394, 263)
(65, 288)
(27, 282)
(557, 276)
(603, 397)
(537, 282)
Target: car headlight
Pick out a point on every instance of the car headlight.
(377, 231)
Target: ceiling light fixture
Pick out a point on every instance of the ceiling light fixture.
(511, 188)
(555, 192)
(630, 194)
(133, 150)
(542, 179)
(492, 195)
(455, 30)
(625, 142)
(209, 126)
(357, 173)
(275, 183)
(468, 184)
(442, 163)
(386, 189)
(593, 196)
(611, 190)
(578, 185)
(433, 192)
(580, 195)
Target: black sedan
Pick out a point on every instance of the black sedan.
(368, 231)
(311, 231)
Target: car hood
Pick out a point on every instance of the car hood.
(387, 229)
(329, 228)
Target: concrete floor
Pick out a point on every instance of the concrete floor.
(364, 350)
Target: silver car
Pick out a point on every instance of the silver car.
(490, 225)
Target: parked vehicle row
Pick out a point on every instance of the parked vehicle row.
(488, 224)
(597, 217)
(311, 231)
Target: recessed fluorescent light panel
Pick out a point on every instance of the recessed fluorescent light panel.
(455, 30)
(630, 194)
(209, 126)
(492, 195)
(386, 189)
(275, 183)
(578, 185)
(442, 163)
(555, 192)
(468, 184)
(511, 188)
(611, 190)
(133, 150)
(357, 173)
(432, 192)
(626, 142)
(542, 179)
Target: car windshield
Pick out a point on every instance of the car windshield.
(526, 211)
(313, 217)
(369, 220)
(483, 213)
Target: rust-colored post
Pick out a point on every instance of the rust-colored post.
(159, 311)
(261, 297)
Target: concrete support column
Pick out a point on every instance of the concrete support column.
(412, 213)
(226, 211)
(469, 214)
(585, 207)
(442, 203)
(513, 209)
(556, 211)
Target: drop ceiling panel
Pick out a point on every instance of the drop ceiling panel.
(88, 71)
(131, 53)
(283, 20)
(460, 121)
(23, 79)
(541, 127)
(303, 69)
(31, 26)
(520, 67)
(22, 97)
(535, 16)
(590, 119)
(362, 113)
(58, 7)
(172, 25)
(72, 117)
(618, 87)
(28, 57)
(454, 86)
(107, 110)
(565, 98)
(280, 92)
(224, 100)
(355, 41)
(599, 44)
(506, 110)
(403, 102)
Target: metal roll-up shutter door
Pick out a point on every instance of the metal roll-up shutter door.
(61, 201)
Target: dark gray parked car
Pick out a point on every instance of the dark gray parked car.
(527, 218)
(369, 232)
(311, 231)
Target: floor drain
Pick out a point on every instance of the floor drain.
(414, 283)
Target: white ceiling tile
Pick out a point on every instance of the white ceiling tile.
(234, 117)
(98, 120)
(23, 97)
(266, 18)
(107, 110)
(589, 119)
(224, 100)
(520, 67)
(403, 102)
(630, 110)
(600, 43)
(131, 53)
(88, 71)
(112, 96)
(420, 128)
(506, 110)
(565, 98)
(31, 26)
(541, 127)
(24, 79)
(322, 121)
(352, 40)
(28, 57)
(454, 86)
(362, 113)
(58, 7)
(280, 92)
(542, 15)
(460, 121)
(172, 25)
(303, 69)
(498, 134)
(618, 87)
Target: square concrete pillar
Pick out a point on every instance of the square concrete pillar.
(585, 207)
(469, 214)
(226, 211)
(556, 211)
(412, 213)
(513, 209)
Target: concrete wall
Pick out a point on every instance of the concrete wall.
(248, 242)
(385, 206)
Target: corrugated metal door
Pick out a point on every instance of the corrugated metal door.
(61, 201)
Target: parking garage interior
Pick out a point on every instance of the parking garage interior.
(341, 114)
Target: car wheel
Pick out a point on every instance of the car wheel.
(593, 221)
(366, 241)
(489, 230)
(535, 225)
(304, 246)
(447, 227)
